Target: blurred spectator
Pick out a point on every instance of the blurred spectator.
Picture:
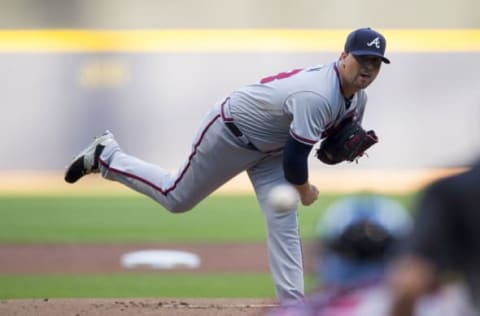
(357, 237)
(444, 245)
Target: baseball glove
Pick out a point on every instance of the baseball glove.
(347, 143)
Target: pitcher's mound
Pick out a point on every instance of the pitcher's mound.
(137, 306)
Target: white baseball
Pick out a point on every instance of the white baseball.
(283, 198)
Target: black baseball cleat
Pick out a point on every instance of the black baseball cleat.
(86, 162)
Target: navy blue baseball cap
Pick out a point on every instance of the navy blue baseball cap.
(366, 42)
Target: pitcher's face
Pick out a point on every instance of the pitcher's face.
(359, 71)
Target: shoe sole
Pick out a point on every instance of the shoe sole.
(76, 169)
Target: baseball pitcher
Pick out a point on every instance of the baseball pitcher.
(268, 130)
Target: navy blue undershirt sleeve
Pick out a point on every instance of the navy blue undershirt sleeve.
(295, 161)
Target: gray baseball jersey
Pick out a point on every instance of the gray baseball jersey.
(301, 103)
(246, 132)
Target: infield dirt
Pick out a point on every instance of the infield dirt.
(78, 259)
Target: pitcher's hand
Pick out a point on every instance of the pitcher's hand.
(308, 193)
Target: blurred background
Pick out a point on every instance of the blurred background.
(149, 70)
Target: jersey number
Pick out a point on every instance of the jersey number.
(281, 75)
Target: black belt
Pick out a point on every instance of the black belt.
(236, 131)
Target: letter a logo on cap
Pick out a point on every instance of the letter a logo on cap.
(375, 42)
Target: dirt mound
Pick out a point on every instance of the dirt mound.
(138, 307)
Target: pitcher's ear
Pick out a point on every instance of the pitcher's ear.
(343, 55)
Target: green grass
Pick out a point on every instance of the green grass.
(124, 219)
(140, 285)
(136, 285)
(62, 219)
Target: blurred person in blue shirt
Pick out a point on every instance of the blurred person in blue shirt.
(357, 239)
